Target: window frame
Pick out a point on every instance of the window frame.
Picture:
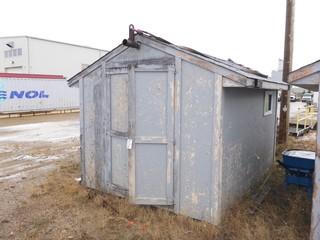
(268, 103)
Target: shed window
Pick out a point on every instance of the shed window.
(268, 103)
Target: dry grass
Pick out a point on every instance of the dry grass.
(62, 209)
(282, 214)
(65, 209)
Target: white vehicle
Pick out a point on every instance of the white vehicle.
(293, 98)
(307, 97)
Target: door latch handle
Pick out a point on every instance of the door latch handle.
(129, 143)
(130, 124)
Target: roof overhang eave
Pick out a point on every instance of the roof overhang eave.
(255, 83)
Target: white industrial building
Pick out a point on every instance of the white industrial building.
(33, 73)
(24, 54)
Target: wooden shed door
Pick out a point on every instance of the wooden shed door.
(118, 129)
(150, 140)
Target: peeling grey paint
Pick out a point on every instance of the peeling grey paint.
(248, 139)
(94, 139)
(199, 139)
(196, 141)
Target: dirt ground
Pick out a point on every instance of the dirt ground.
(42, 199)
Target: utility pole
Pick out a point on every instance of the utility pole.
(287, 68)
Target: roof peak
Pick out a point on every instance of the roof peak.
(229, 62)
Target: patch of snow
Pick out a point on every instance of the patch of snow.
(4, 149)
(44, 131)
(28, 172)
(24, 159)
(78, 179)
(37, 158)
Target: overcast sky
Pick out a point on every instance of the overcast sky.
(250, 32)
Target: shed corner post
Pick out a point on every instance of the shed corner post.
(131, 133)
(107, 127)
(177, 133)
(216, 189)
(315, 215)
(82, 136)
(275, 127)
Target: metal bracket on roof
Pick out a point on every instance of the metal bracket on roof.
(130, 42)
(257, 83)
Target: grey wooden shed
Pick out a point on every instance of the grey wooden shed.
(167, 125)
